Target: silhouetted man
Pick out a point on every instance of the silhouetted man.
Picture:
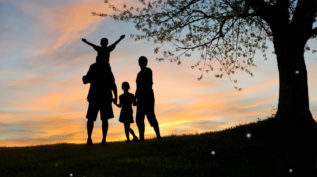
(145, 99)
(104, 50)
(102, 84)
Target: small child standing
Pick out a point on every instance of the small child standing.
(126, 100)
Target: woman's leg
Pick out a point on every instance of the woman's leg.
(90, 127)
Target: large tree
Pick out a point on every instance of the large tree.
(230, 32)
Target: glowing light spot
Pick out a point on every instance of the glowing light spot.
(249, 135)
(71, 174)
(213, 152)
(290, 170)
(296, 72)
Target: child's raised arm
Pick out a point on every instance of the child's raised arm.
(112, 46)
(89, 43)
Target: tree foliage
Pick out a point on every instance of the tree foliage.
(225, 33)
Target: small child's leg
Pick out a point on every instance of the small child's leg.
(126, 130)
(132, 133)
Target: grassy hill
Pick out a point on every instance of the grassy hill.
(256, 149)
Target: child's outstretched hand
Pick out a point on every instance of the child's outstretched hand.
(84, 40)
(122, 36)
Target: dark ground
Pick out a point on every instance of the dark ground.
(268, 152)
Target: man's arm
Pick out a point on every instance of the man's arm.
(115, 92)
(89, 43)
(112, 46)
(149, 78)
(120, 104)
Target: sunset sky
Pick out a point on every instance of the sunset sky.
(43, 100)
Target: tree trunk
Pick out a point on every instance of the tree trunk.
(293, 92)
(297, 130)
(293, 102)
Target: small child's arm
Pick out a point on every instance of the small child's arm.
(89, 43)
(119, 105)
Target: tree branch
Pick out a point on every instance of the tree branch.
(185, 7)
(202, 12)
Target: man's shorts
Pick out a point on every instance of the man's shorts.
(149, 112)
(104, 108)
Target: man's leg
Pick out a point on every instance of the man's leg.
(140, 122)
(90, 127)
(104, 131)
(91, 116)
(105, 114)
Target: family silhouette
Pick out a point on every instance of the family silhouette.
(103, 92)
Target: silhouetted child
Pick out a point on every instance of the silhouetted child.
(103, 51)
(126, 100)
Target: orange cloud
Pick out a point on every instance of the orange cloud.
(68, 21)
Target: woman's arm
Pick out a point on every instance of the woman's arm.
(134, 101)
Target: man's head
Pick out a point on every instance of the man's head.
(104, 42)
(143, 61)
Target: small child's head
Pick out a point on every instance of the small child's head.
(125, 86)
(104, 42)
